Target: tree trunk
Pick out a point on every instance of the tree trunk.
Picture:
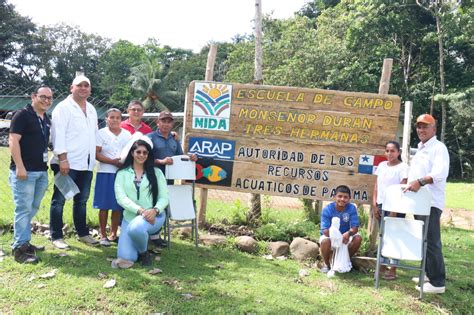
(211, 60)
(255, 210)
(434, 8)
(311, 209)
(441, 76)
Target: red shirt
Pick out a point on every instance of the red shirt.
(144, 128)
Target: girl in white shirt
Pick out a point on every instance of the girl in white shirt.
(110, 142)
(390, 172)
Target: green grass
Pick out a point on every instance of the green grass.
(460, 196)
(222, 280)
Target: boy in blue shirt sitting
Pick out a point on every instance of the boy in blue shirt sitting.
(349, 225)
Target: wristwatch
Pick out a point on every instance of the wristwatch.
(422, 181)
(350, 233)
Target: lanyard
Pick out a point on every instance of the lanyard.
(43, 131)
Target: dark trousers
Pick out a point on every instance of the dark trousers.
(435, 269)
(83, 181)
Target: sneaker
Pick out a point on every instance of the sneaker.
(22, 255)
(60, 244)
(145, 259)
(104, 242)
(32, 249)
(159, 242)
(417, 279)
(324, 269)
(429, 288)
(89, 240)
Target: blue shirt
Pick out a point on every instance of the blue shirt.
(348, 217)
(164, 147)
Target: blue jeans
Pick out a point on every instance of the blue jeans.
(134, 236)
(83, 181)
(27, 196)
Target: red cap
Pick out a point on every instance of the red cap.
(426, 119)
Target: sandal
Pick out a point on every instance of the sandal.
(104, 242)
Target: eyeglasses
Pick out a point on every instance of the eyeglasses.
(45, 98)
(139, 152)
(135, 109)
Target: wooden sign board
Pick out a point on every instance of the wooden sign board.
(287, 141)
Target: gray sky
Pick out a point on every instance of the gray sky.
(189, 24)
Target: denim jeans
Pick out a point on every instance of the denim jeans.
(435, 269)
(134, 236)
(27, 196)
(83, 181)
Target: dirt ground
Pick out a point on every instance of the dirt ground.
(459, 218)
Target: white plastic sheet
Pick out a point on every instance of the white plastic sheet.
(341, 261)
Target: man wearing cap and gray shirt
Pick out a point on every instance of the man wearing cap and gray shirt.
(165, 145)
(74, 125)
(430, 167)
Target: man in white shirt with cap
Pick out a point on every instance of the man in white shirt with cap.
(430, 167)
(74, 125)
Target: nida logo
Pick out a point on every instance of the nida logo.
(211, 106)
(212, 148)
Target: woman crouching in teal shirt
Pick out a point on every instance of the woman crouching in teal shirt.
(141, 190)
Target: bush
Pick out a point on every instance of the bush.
(270, 232)
(282, 231)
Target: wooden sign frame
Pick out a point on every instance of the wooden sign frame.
(287, 141)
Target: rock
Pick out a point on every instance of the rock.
(210, 239)
(246, 244)
(279, 248)
(302, 249)
(184, 232)
(364, 264)
(303, 273)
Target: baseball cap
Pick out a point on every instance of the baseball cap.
(164, 115)
(79, 79)
(425, 119)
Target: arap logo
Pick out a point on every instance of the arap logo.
(212, 148)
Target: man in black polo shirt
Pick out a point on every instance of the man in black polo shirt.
(28, 141)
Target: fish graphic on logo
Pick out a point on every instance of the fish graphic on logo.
(211, 106)
(213, 173)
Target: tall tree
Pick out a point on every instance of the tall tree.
(73, 50)
(17, 38)
(115, 67)
(438, 8)
(148, 80)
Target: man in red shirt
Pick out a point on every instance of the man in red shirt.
(134, 121)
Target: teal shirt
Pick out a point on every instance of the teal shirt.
(126, 193)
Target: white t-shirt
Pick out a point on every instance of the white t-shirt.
(389, 175)
(112, 146)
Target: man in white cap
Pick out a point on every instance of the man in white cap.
(74, 125)
(430, 167)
